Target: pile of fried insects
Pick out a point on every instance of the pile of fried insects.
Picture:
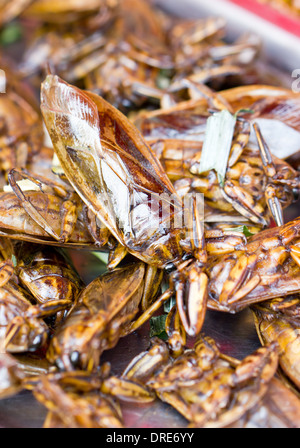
(162, 147)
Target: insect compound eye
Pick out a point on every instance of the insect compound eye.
(75, 358)
(60, 365)
(36, 343)
(170, 268)
(296, 194)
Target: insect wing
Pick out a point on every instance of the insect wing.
(115, 291)
(105, 159)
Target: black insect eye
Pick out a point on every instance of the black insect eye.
(296, 194)
(170, 268)
(36, 343)
(75, 358)
(60, 365)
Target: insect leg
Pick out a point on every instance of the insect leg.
(176, 332)
(191, 282)
(116, 256)
(150, 311)
(6, 271)
(127, 390)
(69, 215)
(69, 218)
(99, 233)
(240, 141)
(270, 170)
